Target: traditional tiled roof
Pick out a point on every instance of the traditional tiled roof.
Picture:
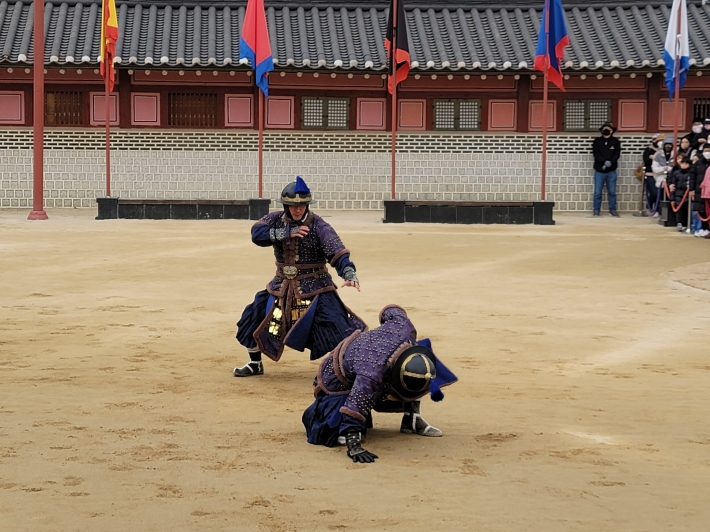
(316, 34)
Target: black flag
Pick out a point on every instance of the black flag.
(401, 51)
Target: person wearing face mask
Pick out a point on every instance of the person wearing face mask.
(678, 182)
(651, 196)
(698, 135)
(698, 175)
(663, 162)
(606, 150)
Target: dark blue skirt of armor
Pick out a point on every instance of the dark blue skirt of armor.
(331, 324)
(323, 418)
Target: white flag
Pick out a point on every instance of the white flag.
(676, 53)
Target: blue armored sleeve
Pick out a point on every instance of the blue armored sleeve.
(260, 235)
(343, 265)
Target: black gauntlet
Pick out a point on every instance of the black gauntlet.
(355, 450)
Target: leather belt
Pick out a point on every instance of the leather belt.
(299, 271)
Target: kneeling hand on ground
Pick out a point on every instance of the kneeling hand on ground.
(355, 450)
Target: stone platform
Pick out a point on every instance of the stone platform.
(174, 209)
(465, 212)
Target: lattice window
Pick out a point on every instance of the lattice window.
(701, 107)
(586, 115)
(328, 113)
(63, 108)
(192, 109)
(338, 113)
(457, 114)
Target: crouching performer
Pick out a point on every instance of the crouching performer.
(384, 369)
(300, 307)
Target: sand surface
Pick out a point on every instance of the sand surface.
(583, 352)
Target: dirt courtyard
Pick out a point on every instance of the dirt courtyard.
(583, 353)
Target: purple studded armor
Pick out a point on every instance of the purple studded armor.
(303, 260)
(360, 366)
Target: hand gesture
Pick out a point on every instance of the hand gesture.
(354, 284)
(355, 450)
(302, 232)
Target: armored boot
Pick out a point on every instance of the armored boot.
(414, 423)
(253, 367)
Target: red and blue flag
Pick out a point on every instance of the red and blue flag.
(399, 59)
(255, 45)
(551, 44)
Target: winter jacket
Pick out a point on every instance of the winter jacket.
(694, 139)
(660, 161)
(680, 179)
(648, 155)
(606, 149)
(697, 175)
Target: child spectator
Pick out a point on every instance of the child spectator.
(678, 182)
(699, 178)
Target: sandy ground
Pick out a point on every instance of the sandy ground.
(582, 352)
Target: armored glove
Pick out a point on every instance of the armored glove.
(355, 450)
(279, 234)
(349, 274)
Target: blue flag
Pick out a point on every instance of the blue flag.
(552, 44)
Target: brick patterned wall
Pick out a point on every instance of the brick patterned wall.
(345, 170)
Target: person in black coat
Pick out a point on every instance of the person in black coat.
(607, 150)
(698, 173)
(698, 135)
(678, 182)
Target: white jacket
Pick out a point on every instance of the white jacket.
(660, 161)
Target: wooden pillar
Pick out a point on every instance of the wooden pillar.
(524, 104)
(654, 102)
(124, 98)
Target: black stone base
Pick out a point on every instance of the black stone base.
(519, 213)
(144, 209)
(258, 208)
(108, 208)
(668, 217)
(394, 212)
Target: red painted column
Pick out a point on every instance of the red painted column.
(37, 212)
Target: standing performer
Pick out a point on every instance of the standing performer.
(299, 307)
(384, 369)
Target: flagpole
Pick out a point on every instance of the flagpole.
(38, 212)
(393, 66)
(107, 117)
(544, 100)
(261, 142)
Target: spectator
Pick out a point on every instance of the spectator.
(687, 150)
(698, 135)
(650, 189)
(607, 150)
(698, 176)
(678, 186)
(663, 164)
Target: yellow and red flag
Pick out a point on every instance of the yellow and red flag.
(109, 36)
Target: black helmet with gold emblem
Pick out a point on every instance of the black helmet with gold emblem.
(296, 193)
(413, 373)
